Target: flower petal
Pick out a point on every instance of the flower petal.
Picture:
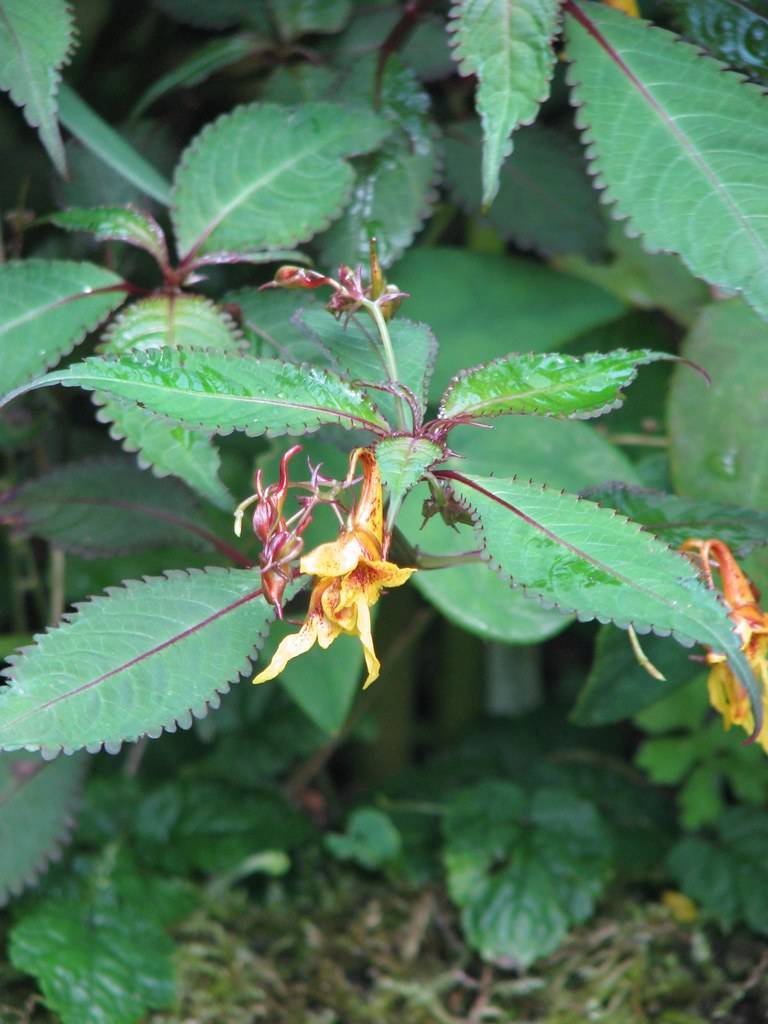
(290, 647)
(336, 558)
(372, 663)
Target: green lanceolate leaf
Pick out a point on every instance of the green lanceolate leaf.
(46, 308)
(687, 176)
(170, 321)
(35, 42)
(545, 202)
(732, 30)
(717, 434)
(508, 45)
(402, 463)
(147, 656)
(594, 562)
(546, 384)
(115, 224)
(726, 875)
(523, 868)
(220, 393)
(488, 305)
(356, 351)
(214, 56)
(266, 176)
(674, 519)
(394, 192)
(37, 800)
(111, 147)
(104, 507)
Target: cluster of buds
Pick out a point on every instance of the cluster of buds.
(349, 292)
(281, 538)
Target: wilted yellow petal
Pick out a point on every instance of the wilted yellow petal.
(336, 558)
(372, 663)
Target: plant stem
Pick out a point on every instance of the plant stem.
(389, 356)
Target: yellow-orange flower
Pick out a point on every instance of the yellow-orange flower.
(350, 573)
(726, 694)
(628, 6)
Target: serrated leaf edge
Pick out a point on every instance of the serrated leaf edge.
(201, 301)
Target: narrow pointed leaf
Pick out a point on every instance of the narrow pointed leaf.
(594, 562)
(402, 463)
(115, 224)
(35, 42)
(674, 519)
(687, 176)
(37, 802)
(46, 308)
(508, 45)
(266, 176)
(103, 507)
(145, 657)
(220, 393)
(111, 147)
(546, 384)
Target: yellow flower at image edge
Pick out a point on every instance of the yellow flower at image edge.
(350, 574)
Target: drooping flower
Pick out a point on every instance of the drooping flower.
(350, 574)
(726, 694)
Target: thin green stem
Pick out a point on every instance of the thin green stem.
(389, 356)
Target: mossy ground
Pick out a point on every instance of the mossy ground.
(354, 950)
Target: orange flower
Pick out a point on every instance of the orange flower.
(726, 694)
(350, 574)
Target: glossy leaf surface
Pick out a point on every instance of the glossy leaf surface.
(221, 393)
(168, 647)
(103, 507)
(686, 142)
(266, 176)
(402, 462)
(732, 30)
(172, 321)
(716, 434)
(115, 224)
(508, 45)
(523, 867)
(46, 308)
(547, 385)
(37, 801)
(35, 42)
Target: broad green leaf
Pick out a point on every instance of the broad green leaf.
(546, 384)
(204, 62)
(265, 176)
(220, 393)
(394, 191)
(508, 45)
(402, 463)
(732, 30)
(145, 657)
(172, 321)
(618, 686)
(116, 224)
(481, 306)
(370, 840)
(95, 961)
(46, 308)
(565, 453)
(674, 519)
(686, 145)
(167, 449)
(726, 875)
(717, 433)
(106, 506)
(643, 279)
(356, 351)
(111, 147)
(302, 17)
(523, 867)
(37, 800)
(270, 322)
(594, 562)
(545, 202)
(35, 42)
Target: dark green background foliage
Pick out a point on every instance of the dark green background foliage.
(573, 203)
